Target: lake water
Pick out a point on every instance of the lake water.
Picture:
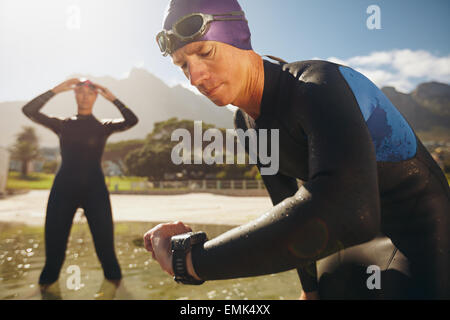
(22, 257)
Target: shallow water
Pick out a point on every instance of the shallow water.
(22, 257)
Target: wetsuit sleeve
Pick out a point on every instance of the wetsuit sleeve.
(32, 111)
(129, 119)
(281, 187)
(336, 208)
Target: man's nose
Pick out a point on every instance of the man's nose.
(197, 74)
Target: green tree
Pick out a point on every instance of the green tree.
(153, 160)
(118, 151)
(50, 166)
(26, 148)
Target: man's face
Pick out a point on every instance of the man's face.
(213, 68)
(85, 97)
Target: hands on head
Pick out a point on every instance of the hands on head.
(73, 84)
(66, 85)
(158, 242)
(105, 92)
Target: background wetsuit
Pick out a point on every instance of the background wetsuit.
(366, 173)
(79, 183)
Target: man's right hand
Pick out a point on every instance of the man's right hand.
(66, 85)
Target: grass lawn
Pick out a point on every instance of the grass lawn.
(33, 181)
(44, 181)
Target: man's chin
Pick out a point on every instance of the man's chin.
(219, 102)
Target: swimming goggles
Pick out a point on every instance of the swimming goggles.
(191, 27)
(88, 84)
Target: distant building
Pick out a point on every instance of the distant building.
(170, 176)
(4, 165)
(111, 169)
(439, 157)
(46, 154)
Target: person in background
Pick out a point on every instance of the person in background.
(79, 182)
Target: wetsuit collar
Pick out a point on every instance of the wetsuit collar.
(84, 116)
(272, 74)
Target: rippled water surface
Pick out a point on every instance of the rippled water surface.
(22, 258)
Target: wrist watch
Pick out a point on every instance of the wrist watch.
(181, 244)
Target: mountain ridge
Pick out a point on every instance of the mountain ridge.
(426, 108)
(148, 96)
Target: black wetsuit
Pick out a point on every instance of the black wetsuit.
(79, 183)
(367, 179)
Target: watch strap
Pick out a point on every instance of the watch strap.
(181, 245)
(180, 269)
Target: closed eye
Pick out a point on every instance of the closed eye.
(206, 54)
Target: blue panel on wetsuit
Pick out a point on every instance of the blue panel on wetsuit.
(393, 138)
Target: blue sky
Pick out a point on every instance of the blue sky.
(41, 45)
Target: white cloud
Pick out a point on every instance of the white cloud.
(375, 59)
(402, 69)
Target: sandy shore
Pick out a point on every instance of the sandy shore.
(201, 208)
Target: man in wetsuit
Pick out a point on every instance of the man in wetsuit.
(372, 194)
(80, 181)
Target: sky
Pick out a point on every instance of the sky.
(44, 42)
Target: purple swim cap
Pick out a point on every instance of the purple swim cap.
(235, 33)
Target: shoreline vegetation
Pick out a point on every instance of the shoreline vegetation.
(122, 185)
(43, 181)
(116, 184)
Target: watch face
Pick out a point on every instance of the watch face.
(198, 237)
(179, 243)
(182, 241)
(186, 241)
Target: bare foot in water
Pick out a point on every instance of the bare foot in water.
(314, 295)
